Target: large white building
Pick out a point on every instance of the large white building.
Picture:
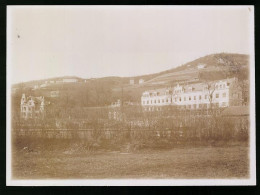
(222, 93)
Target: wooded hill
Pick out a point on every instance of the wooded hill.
(104, 91)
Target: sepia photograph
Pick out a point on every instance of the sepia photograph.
(130, 96)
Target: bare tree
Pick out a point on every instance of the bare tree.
(210, 87)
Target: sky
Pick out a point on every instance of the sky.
(99, 41)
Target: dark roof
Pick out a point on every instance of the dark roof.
(236, 111)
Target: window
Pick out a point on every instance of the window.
(151, 101)
(162, 100)
(200, 105)
(175, 99)
(158, 101)
(143, 102)
(167, 100)
(155, 101)
(200, 97)
(194, 98)
(189, 98)
(184, 98)
(224, 95)
(206, 97)
(180, 99)
(217, 95)
(147, 101)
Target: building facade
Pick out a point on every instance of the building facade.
(32, 107)
(222, 93)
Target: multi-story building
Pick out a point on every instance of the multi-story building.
(32, 107)
(222, 93)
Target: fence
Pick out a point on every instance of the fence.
(137, 125)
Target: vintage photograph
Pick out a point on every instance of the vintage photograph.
(130, 95)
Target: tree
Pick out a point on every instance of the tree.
(210, 87)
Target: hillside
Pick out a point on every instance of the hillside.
(104, 91)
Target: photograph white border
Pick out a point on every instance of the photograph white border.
(135, 182)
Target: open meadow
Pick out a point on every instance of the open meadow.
(180, 162)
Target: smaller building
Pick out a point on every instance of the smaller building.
(116, 104)
(141, 81)
(132, 82)
(201, 66)
(43, 85)
(32, 107)
(128, 103)
(70, 80)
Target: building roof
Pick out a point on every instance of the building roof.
(236, 111)
(195, 87)
(37, 100)
(161, 91)
(199, 86)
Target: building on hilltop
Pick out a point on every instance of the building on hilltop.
(69, 80)
(201, 66)
(32, 107)
(141, 81)
(222, 93)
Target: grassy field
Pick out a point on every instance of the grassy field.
(200, 162)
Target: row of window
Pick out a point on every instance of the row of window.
(221, 86)
(181, 99)
(192, 106)
(28, 108)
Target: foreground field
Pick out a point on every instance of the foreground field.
(201, 162)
